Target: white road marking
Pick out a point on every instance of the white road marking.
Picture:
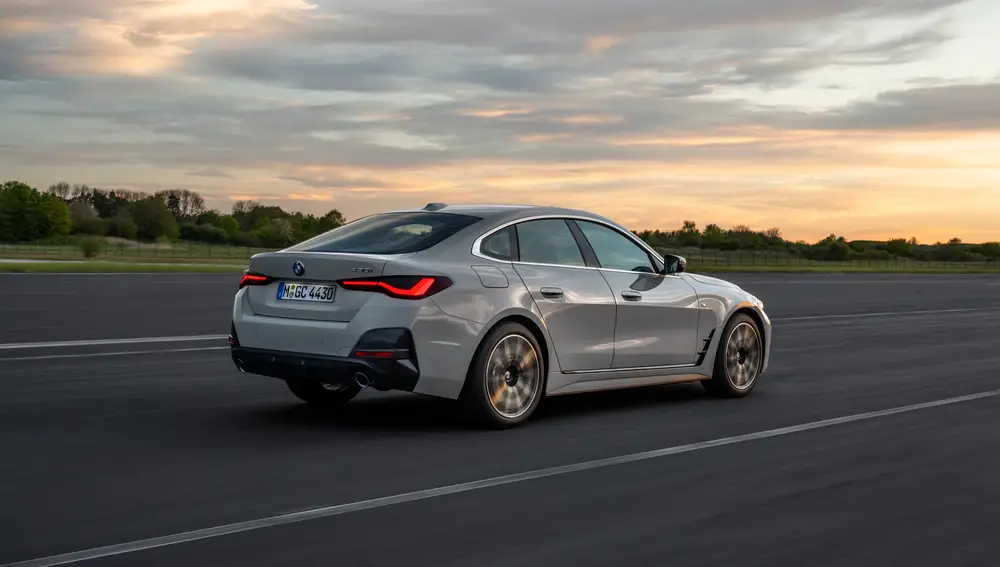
(119, 353)
(884, 314)
(103, 342)
(340, 509)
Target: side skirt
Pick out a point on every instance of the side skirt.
(621, 383)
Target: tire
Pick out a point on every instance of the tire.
(315, 394)
(738, 359)
(506, 380)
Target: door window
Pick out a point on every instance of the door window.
(548, 241)
(614, 250)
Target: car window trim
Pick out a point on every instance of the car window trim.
(477, 253)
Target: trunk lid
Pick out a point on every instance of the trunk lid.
(320, 273)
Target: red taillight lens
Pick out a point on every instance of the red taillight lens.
(250, 278)
(402, 287)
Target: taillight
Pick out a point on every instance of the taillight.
(250, 278)
(401, 287)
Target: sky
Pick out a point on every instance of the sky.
(863, 118)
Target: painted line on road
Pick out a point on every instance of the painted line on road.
(340, 509)
(884, 314)
(104, 342)
(119, 353)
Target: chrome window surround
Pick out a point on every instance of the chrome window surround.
(638, 241)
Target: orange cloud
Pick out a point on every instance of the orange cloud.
(145, 38)
(599, 44)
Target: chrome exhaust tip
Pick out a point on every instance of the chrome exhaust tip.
(239, 365)
(361, 379)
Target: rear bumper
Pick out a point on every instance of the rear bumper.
(383, 374)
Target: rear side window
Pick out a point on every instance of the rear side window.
(500, 245)
(390, 233)
(548, 241)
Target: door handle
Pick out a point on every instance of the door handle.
(630, 295)
(552, 292)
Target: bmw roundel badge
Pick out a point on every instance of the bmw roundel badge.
(298, 268)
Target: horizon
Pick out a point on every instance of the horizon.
(871, 120)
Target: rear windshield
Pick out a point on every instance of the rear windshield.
(390, 233)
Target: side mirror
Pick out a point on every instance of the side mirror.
(674, 264)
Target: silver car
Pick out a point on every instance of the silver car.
(495, 306)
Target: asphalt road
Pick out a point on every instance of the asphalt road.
(120, 447)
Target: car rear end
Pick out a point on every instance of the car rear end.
(343, 307)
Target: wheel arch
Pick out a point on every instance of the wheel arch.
(533, 328)
(757, 319)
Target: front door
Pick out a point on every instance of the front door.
(575, 301)
(657, 319)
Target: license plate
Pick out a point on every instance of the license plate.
(306, 292)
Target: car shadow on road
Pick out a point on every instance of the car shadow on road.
(409, 414)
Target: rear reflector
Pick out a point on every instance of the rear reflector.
(374, 354)
(402, 287)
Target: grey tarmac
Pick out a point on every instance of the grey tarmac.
(101, 450)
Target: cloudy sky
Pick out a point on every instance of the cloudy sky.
(868, 118)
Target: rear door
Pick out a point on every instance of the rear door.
(657, 321)
(575, 301)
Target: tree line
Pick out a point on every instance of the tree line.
(27, 214)
(831, 248)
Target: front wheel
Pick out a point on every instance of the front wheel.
(505, 382)
(738, 360)
(320, 395)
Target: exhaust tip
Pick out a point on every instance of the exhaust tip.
(361, 379)
(239, 365)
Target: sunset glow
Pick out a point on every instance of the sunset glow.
(865, 118)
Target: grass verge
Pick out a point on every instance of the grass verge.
(116, 267)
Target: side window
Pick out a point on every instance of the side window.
(614, 250)
(499, 245)
(548, 241)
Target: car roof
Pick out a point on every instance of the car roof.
(507, 212)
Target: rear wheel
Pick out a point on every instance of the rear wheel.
(505, 382)
(322, 395)
(738, 359)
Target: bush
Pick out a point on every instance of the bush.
(203, 233)
(244, 239)
(122, 226)
(91, 246)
